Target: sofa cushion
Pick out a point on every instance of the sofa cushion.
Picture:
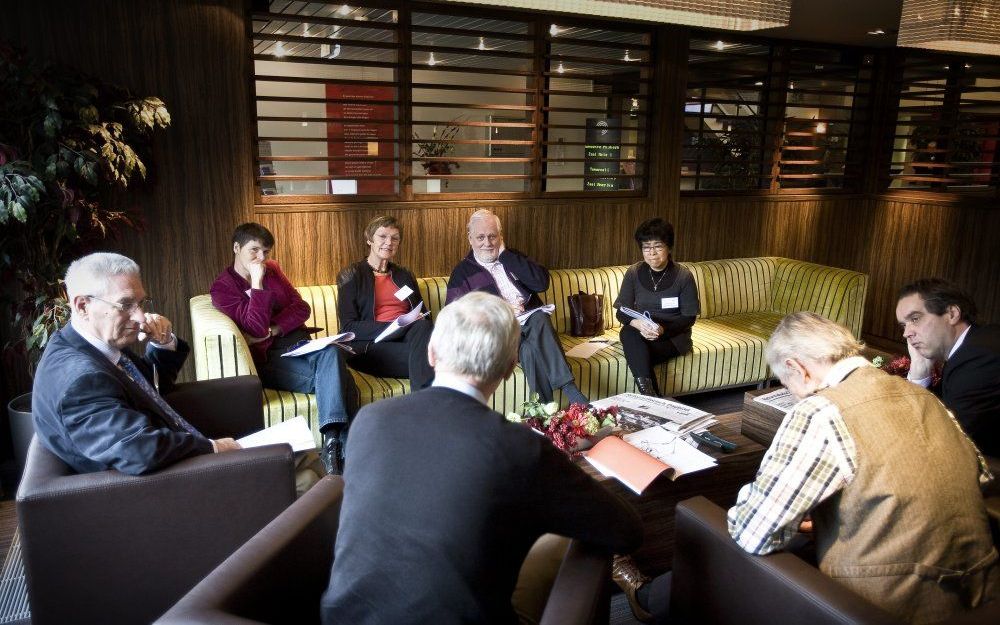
(834, 293)
(734, 286)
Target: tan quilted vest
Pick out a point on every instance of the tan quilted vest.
(910, 533)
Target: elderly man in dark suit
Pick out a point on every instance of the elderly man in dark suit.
(444, 497)
(95, 405)
(491, 267)
(939, 325)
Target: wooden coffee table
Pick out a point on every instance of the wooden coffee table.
(760, 421)
(719, 484)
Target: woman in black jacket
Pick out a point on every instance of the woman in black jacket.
(666, 296)
(371, 294)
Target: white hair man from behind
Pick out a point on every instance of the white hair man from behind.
(444, 497)
(886, 475)
(95, 405)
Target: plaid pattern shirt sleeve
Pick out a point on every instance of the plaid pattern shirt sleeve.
(811, 458)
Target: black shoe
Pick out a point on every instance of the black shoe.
(647, 386)
(332, 453)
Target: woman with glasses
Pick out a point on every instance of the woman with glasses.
(665, 298)
(371, 294)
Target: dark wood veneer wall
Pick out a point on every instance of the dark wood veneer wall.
(195, 55)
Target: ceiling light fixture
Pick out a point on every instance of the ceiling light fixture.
(431, 60)
(955, 26)
(627, 57)
(344, 9)
(720, 45)
(279, 49)
(719, 14)
(877, 31)
(553, 30)
(561, 69)
(482, 43)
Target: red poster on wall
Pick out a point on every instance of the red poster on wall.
(357, 136)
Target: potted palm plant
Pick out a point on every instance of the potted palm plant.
(69, 147)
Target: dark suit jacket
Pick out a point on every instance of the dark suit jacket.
(529, 277)
(90, 414)
(443, 499)
(970, 386)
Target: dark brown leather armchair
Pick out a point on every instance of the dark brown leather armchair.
(715, 581)
(279, 576)
(111, 548)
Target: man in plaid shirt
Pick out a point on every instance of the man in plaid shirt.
(888, 476)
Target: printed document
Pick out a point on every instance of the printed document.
(782, 399)
(638, 412)
(636, 467)
(588, 348)
(294, 431)
(401, 322)
(547, 309)
(314, 345)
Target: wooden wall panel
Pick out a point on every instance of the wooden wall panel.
(313, 246)
(194, 55)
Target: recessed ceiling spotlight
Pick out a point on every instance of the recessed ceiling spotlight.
(431, 60)
(877, 31)
(553, 30)
(344, 9)
(482, 43)
(560, 69)
(627, 57)
(720, 45)
(759, 83)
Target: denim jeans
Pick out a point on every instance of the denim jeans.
(322, 373)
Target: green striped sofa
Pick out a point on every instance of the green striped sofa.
(742, 301)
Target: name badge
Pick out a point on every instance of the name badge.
(405, 292)
(668, 302)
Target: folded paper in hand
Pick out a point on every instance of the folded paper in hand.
(294, 431)
(401, 322)
(546, 308)
(308, 347)
(635, 314)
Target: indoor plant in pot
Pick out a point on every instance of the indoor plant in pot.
(69, 147)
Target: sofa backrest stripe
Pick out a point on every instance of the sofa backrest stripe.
(734, 286)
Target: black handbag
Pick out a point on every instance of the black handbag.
(586, 314)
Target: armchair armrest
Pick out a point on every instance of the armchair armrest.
(98, 541)
(222, 407)
(218, 346)
(580, 594)
(715, 581)
(279, 575)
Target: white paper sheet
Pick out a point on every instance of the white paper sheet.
(782, 399)
(587, 349)
(294, 431)
(401, 322)
(317, 344)
(547, 309)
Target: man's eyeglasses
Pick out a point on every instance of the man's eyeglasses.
(145, 304)
(659, 247)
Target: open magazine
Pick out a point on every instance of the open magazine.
(639, 458)
(314, 345)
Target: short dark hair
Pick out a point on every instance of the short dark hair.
(252, 231)
(382, 221)
(655, 229)
(939, 294)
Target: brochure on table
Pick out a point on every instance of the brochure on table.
(294, 431)
(782, 399)
(402, 321)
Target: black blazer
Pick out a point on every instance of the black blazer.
(443, 499)
(356, 298)
(970, 386)
(91, 415)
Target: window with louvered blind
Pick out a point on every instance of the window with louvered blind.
(947, 124)
(770, 116)
(400, 101)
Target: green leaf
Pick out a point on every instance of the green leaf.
(18, 212)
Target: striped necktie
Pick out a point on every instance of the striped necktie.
(126, 365)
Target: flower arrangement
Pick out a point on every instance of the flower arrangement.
(432, 148)
(565, 428)
(900, 365)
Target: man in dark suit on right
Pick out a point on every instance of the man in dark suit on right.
(444, 497)
(939, 325)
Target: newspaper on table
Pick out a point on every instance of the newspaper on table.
(638, 412)
(402, 321)
(294, 431)
(546, 308)
(782, 399)
(641, 457)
